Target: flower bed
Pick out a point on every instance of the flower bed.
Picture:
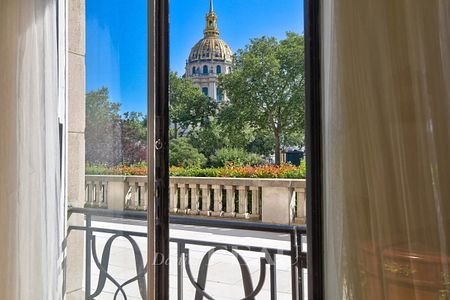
(267, 171)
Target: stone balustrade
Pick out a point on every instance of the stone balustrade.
(269, 200)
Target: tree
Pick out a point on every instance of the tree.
(266, 87)
(262, 143)
(134, 137)
(235, 157)
(183, 154)
(188, 106)
(102, 128)
(208, 139)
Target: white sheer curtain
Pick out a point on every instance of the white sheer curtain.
(387, 148)
(31, 214)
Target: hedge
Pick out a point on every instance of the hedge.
(266, 171)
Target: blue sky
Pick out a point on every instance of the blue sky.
(116, 37)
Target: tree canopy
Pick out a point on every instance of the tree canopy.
(266, 88)
(103, 132)
(189, 108)
(265, 112)
(112, 139)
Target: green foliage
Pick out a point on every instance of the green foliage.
(266, 171)
(103, 145)
(134, 137)
(112, 139)
(188, 106)
(97, 170)
(183, 154)
(194, 172)
(262, 143)
(266, 88)
(235, 157)
(208, 138)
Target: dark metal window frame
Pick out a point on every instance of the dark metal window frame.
(314, 222)
(158, 142)
(158, 139)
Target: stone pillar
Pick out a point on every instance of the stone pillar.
(184, 198)
(217, 200)
(195, 196)
(230, 209)
(76, 145)
(276, 204)
(243, 201)
(173, 195)
(116, 193)
(212, 88)
(256, 211)
(206, 199)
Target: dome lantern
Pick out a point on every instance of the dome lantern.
(211, 22)
(211, 47)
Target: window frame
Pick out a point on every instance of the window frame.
(314, 154)
(158, 150)
(158, 178)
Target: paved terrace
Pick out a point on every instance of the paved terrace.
(224, 277)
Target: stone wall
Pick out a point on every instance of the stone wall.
(76, 144)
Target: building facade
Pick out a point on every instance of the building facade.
(209, 58)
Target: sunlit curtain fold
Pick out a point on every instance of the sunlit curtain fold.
(386, 112)
(31, 220)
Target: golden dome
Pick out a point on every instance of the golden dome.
(211, 47)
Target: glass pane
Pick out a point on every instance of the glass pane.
(107, 246)
(236, 149)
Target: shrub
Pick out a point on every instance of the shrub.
(235, 157)
(183, 154)
(97, 169)
(268, 171)
(194, 172)
(136, 169)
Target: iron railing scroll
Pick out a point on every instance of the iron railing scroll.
(268, 259)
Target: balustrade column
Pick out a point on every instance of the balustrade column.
(87, 192)
(195, 195)
(206, 199)
(173, 196)
(97, 194)
(132, 195)
(141, 195)
(135, 195)
(184, 198)
(104, 192)
(300, 216)
(230, 210)
(217, 200)
(256, 210)
(243, 202)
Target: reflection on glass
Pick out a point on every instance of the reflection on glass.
(108, 240)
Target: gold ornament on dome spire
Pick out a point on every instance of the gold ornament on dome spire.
(211, 22)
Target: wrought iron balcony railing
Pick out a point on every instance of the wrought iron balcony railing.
(267, 256)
